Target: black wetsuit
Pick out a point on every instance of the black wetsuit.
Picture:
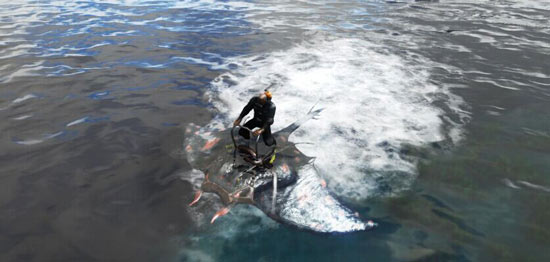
(263, 118)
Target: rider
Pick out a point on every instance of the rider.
(264, 112)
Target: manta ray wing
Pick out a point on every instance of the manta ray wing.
(300, 197)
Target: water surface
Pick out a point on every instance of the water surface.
(436, 125)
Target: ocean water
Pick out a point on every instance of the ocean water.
(435, 124)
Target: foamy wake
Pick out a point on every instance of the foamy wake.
(374, 103)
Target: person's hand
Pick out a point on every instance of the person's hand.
(258, 132)
(237, 122)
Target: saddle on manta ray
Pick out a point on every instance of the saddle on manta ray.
(236, 184)
(283, 182)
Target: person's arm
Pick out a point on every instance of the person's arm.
(245, 111)
(247, 108)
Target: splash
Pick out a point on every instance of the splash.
(375, 103)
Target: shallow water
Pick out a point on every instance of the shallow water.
(436, 125)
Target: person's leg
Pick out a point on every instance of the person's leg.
(269, 140)
(250, 125)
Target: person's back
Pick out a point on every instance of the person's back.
(264, 114)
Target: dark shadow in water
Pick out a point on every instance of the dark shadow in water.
(457, 221)
(437, 202)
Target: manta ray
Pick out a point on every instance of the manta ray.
(289, 190)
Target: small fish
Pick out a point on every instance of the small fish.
(285, 168)
(220, 213)
(197, 197)
(210, 143)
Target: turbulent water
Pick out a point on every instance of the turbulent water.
(435, 124)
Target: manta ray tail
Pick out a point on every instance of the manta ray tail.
(311, 114)
(274, 197)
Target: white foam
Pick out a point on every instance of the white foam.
(30, 142)
(534, 186)
(193, 176)
(23, 98)
(125, 33)
(496, 83)
(510, 184)
(374, 103)
(23, 117)
(197, 61)
(25, 70)
(78, 121)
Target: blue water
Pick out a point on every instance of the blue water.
(435, 125)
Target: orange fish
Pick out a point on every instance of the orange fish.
(285, 167)
(197, 197)
(210, 143)
(323, 183)
(220, 213)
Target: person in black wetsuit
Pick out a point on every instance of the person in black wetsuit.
(264, 113)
